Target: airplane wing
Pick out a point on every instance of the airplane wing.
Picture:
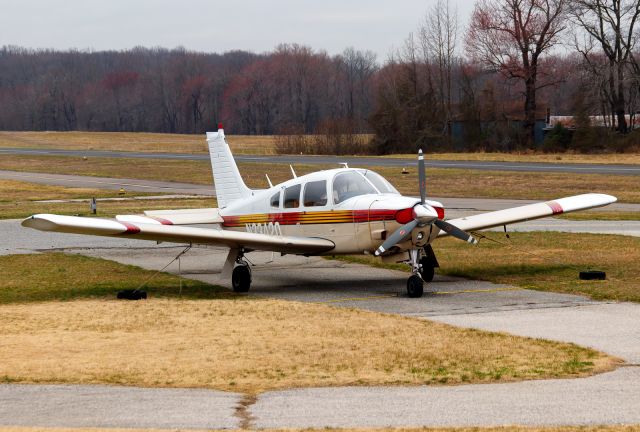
(178, 234)
(175, 217)
(530, 212)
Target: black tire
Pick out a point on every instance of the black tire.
(415, 287)
(131, 295)
(593, 275)
(241, 279)
(427, 269)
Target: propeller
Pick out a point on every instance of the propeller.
(423, 214)
(454, 231)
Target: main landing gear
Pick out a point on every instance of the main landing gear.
(240, 271)
(241, 278)
(423, 263)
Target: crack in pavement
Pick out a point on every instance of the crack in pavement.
(243, 413)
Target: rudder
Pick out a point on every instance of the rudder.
(226, 176)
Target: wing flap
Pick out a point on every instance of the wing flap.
(178, 234)
(531, 211)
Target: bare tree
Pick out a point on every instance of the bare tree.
(358, 68)
(610, 24)
(511, 36)
(439, 38)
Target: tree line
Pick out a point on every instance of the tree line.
(484, 86)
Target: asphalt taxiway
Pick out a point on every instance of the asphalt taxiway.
(609, 398)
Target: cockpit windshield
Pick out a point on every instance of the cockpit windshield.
(379, 182)
(349, 184)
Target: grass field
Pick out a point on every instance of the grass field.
(58, 276)
(252, 144)
(243, 343)
(543, 261)
(440, 182)
(129, 141)
(18, 210)
(20, 199)
(19, 191)
(602, 215)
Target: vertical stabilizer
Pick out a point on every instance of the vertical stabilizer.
(226, 177)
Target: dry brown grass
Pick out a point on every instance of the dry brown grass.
(129, 141)
(19, 199)
(603, 215)
(550, 262)
(258, 345)
(607, 158)
(440, 182)
(517, 185)
(256, 144)
(18, 191)
(149, 169)
(16, 210)
(62, 277)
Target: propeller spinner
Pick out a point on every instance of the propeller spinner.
(423, 214)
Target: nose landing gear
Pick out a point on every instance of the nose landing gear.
(423, 269)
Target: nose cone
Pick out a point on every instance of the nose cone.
(425, 213)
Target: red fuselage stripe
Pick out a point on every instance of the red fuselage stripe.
(319, 217)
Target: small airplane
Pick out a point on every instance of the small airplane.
(333, 212)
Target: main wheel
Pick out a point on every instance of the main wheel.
(241, 279)
(427, 269)
(415, 286)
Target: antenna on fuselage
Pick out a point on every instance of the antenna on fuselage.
(293, 172)
(269, 180)
(344, 164)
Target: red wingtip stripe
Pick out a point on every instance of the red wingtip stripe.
(163, 221)
(555, 207)
(131, 228)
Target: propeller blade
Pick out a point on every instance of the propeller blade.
(455, 231)
(422, 177)
(398, 236)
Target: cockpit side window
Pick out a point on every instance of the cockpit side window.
(315, 194)
(275, 200)
(349, 184)
(292, 196)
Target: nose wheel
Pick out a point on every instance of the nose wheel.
(415, 286)
(423, 265)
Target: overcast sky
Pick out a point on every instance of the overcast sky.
(214, 26)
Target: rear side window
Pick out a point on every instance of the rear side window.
(315, 194)
(275, 200)
(292, 197)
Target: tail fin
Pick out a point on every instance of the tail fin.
(226, 177)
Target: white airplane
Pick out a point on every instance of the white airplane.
(333, 212)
